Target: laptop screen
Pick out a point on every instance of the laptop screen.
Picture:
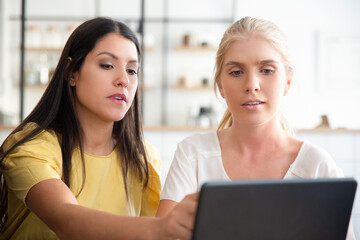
(275, 209)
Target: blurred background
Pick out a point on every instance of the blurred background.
(180, 39)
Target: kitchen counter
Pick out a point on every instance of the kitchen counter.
(199, 129)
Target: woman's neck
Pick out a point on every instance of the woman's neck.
(250, 152)
(252, 138)
(97, 138)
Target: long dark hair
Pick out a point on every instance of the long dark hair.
(56, 109)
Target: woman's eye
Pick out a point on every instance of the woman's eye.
(132, 71)
(236, 73)
(107, 66)
(267, 71)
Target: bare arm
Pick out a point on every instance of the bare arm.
(165, 207)
(56, 205)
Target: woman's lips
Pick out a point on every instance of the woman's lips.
(253, 105)
(118, 98)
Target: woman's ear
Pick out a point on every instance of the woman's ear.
(218, 83)
(72, 82)
(72, 77)
(288, 83)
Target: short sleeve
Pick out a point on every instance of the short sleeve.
(153, 157)
(181, 179)
(314, 162)
(151, 195)
(32, 162)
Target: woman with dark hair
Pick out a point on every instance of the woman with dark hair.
(77, 167)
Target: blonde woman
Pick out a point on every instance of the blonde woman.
(253, 74)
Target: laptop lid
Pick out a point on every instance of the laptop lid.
(275, 209)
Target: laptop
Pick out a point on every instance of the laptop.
(275, 209)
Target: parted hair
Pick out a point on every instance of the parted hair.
(56, 110)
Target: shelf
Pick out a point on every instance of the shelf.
(187, 129)
(160, 54)
(149, 49)
(195, 88)
(36, 87)
(33, 87)
(64, 18)
(42, 49)
(195, 48)
(149, 87)
(328, 130)
(58, 50)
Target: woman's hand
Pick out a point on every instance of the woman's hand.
(179, 223)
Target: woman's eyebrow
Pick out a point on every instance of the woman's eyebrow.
(133, 61)
(108, 53)
(234, 63)
(268, 61)
(262, 62)
(115, 57)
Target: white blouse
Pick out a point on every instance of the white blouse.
(198, 160)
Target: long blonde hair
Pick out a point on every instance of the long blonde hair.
(242, 29)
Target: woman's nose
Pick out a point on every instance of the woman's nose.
(252, 84)
(122, 79)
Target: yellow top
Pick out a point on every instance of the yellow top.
(41, 159)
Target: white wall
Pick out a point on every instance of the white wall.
(1, 48)
(8, 97)
(321, 35)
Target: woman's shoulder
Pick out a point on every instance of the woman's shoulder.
(44, 138)
(315, 161)
(315, 152)
(153, 156)
(206, 144)
(33, 161)
(207, 139)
